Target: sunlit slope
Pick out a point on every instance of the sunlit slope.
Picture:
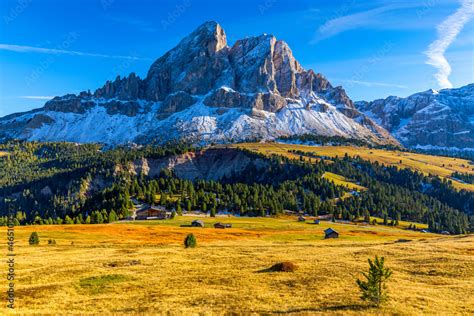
(427, 164)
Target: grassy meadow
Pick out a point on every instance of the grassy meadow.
(342, 181)
(427, 164)
(142, 267)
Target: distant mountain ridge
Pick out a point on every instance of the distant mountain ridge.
(432, 119)
(204, 91)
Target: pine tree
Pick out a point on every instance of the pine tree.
(113, 216)
(99, 217)
(179, 210)
(68, 220)
(373, 288)
(190, 241)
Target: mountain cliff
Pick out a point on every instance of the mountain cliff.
(204, 91)
(432, 119)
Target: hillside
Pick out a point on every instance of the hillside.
(443, 167)
(143, 268)
(203, 91)
(46, 183)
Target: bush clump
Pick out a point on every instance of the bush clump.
(190, 241)
(285, 266)
(34, 238)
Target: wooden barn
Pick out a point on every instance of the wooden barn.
(222, 225)
(153, 212)
(197, 223)
(330, 233)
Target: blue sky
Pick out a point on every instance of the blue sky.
(373, 48)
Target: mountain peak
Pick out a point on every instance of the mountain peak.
(204, 89)
(209, 35)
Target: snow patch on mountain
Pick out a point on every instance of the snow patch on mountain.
(198, 122)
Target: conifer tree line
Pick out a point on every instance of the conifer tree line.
(60, 183)
(465, 177)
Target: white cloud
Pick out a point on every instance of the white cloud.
(37, 97)
(374, 17)
(374, 84)
(32, 49)
(344, 23)
(448, 30)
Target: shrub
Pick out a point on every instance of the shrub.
(190, 241)
(34, 238)
(373, 288)
(285, 266)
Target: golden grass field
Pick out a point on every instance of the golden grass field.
(426, 164)
(342, 181)
(142, 268)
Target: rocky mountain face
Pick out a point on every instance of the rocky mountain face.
(431, 119)
(209, 164)
(205, 91)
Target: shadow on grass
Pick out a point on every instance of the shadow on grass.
(334, 308)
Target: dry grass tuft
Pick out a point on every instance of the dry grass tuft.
(285, 266)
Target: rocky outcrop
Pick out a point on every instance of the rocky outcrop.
(128, 88)
(210, 164)
(174, 103)
(128, 108)
(226, 98)
(428, 119)
(229, 98)
(39, 120)
(69, 103)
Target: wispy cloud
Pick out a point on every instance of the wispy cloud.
(347, 22)
(37, 97)
(32, 49)
(374, 84)
(378, 17)
(448, 30)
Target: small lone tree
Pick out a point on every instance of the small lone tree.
(34, 238)
(374, 288)
(190, 241)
